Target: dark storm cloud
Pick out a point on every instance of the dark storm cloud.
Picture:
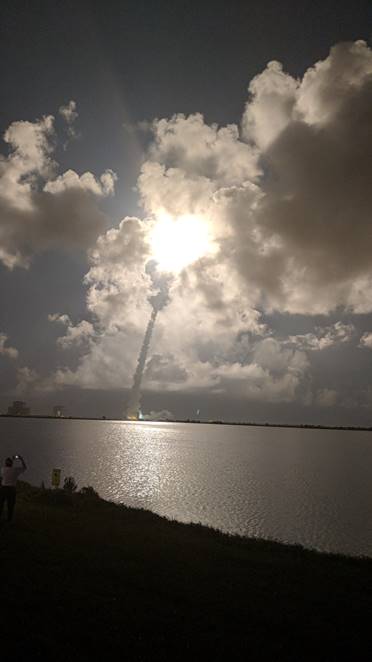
(316, 205)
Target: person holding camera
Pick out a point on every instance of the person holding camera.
(13, 467)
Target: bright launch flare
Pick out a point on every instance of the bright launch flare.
(178, 242)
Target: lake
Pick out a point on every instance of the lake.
(311, 487)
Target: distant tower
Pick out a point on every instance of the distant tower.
(18, 408)
(58, 411)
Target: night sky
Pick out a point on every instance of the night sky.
(231, 143)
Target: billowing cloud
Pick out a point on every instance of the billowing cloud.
(326, 397)
(287, 202)
(366, 340)
(87, 183)
(200, 326)
(287, 198)
(324, 338)
(209, 335)
(26, 378)
(202, 150)
(75, 334)
(270, 107)
(272, 373)
(314, 215)
(69, 113)
(38, 210)
(163, 415)
(5, 349)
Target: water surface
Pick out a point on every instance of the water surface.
(312, 487)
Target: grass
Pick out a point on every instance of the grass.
(83, 578)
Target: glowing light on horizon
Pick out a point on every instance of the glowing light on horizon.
(177, 242)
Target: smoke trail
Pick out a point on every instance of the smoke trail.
(134, 402)
(160, 282)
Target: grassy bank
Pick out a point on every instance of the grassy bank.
(83, 578)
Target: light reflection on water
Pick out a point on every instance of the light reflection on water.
(311, 487)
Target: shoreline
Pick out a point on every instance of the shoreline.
(301, 426)
(83, 577)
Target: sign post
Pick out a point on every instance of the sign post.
(56, 477)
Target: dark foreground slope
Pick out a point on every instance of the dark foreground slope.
(82, 578)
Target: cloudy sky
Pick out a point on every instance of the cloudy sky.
(218, 152)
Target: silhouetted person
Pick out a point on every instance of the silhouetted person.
(9, 476)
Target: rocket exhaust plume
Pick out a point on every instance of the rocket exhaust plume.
(158, 301)
(134, 402)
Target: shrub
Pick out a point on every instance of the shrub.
(89, 492)
(70, 484)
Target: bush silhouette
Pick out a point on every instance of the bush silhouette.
(89, 492)
(69, 484)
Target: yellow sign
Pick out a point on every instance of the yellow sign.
(56, 477)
